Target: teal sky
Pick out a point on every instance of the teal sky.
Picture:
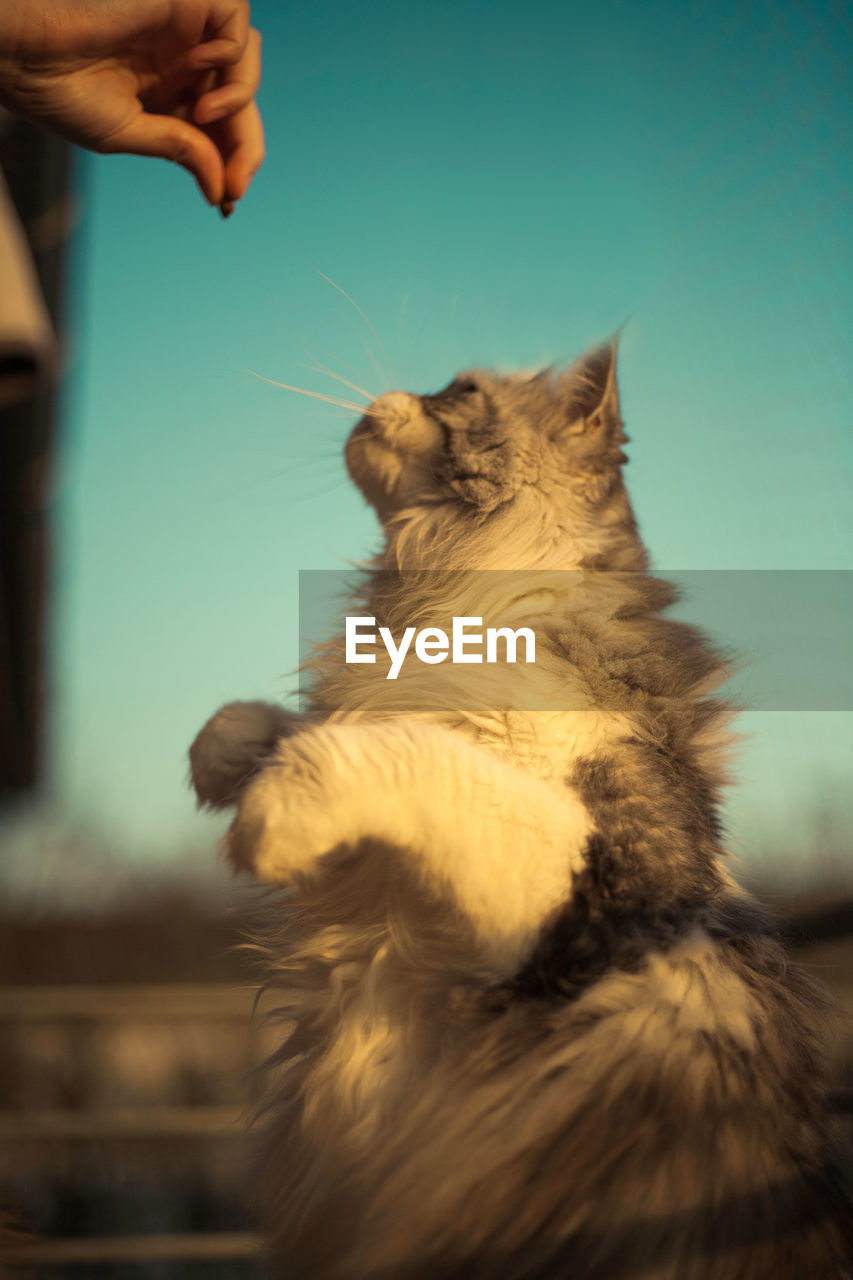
(491, 184)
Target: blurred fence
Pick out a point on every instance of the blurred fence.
(216, 1246)
(133, 1077)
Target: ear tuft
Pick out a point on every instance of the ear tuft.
(591, 394)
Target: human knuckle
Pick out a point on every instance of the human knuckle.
(180, 151)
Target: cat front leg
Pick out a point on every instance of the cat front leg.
(233, 745)
(298, 808)
(499, 843)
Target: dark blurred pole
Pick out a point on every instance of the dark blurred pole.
(37, 171)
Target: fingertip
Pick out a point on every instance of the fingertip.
(202, 159)
(208, 171)
(209, 191)
(176, 140)
(239, 176)
(236, 185)
(209, 194)
(208, 112)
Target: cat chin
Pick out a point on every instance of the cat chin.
(388, 480)
(374, 467)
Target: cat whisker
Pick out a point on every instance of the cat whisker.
(331, 355)
(322, 413)
(310, 495)
(301, 465)
(270, 476)
(319, 367)
(418, 339)
(366, 321)
(376, 367)
(316, 395)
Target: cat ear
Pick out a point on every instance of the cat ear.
(591, 397)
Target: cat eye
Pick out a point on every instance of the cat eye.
(454, 391)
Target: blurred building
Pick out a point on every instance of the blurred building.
(37, 215)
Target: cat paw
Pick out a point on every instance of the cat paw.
(288, 817)
(233, 746)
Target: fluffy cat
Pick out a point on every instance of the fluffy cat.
(538, 1033)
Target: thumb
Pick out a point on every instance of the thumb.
(176, 140)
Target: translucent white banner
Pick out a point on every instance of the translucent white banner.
(568, 640)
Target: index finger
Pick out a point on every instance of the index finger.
(227, 26)
(238, 86)
(243, 151)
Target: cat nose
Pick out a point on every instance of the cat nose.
(401, 421)
(393, 407)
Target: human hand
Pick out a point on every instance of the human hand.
(169, 78)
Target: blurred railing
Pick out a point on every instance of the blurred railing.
(219, 1246)
(164, 1001)
(93, 1007)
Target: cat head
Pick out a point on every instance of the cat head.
(494, 456)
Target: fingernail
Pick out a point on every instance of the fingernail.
(226, 207)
